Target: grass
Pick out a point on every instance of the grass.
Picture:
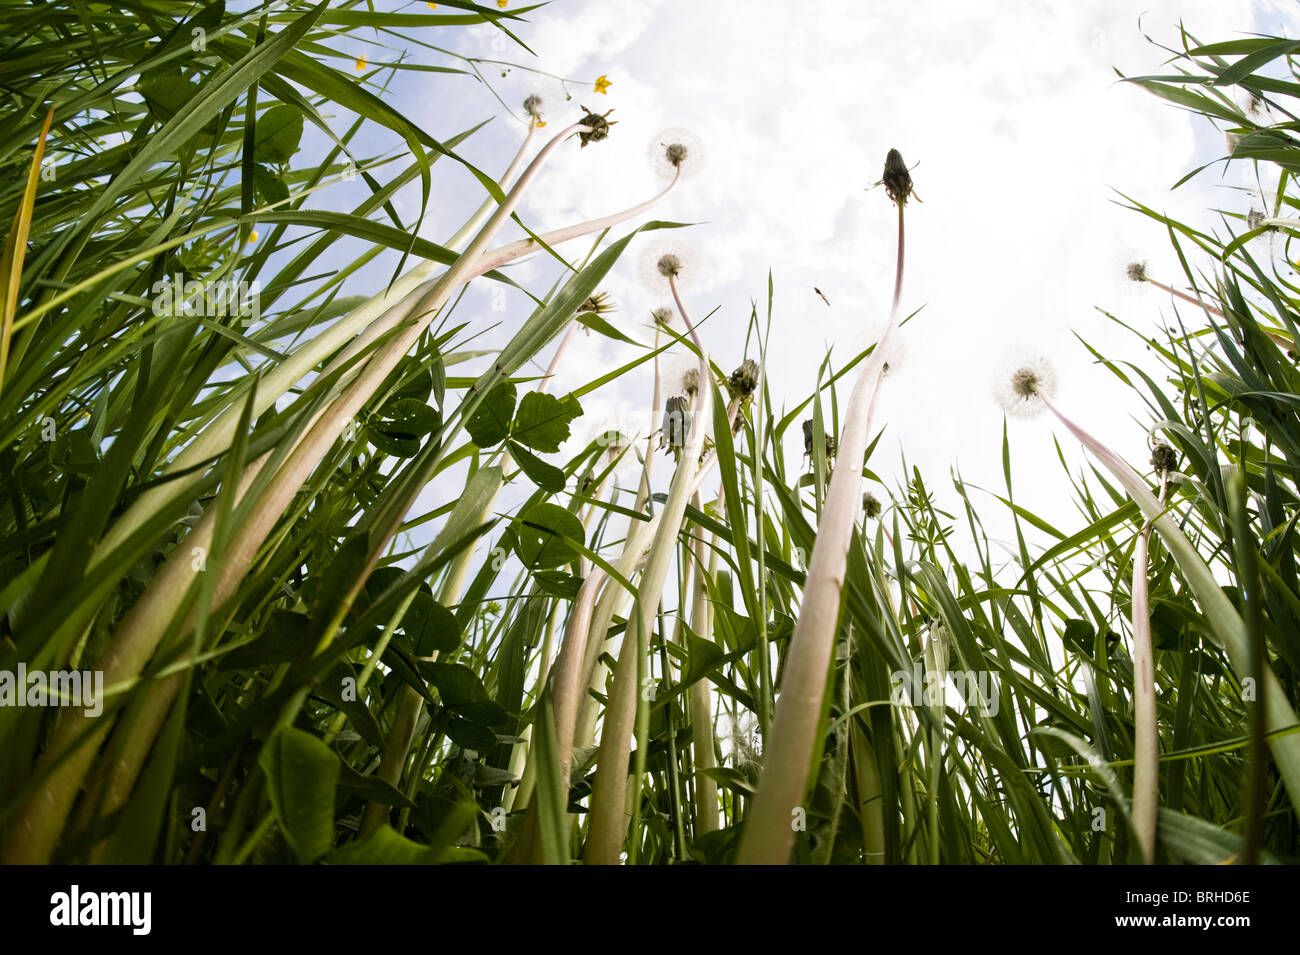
(308, 657)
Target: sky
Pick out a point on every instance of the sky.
(1020, 136)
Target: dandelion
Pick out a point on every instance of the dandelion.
(676, 423)
(1163, 458)
(598, 304)
(1020, 391)
(597, 126)
(602, 83)
(808, 441)
(675, 152)
(896, 179)
(533, 107)
(665, 259)
(870, 506)
(1136, 271)
(744, 380)
(502, 3)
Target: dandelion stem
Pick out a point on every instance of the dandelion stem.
(768, 836)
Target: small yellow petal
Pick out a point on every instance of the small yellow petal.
(432, 6)
(252, 236)
(602, 84)
(502, 3)
(541, 123)
(361, 62)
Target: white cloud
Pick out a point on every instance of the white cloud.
(1019, 132)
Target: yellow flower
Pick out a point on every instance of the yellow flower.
(432, 6)
(541, 123)
(502, 3)
(252, 236)
(361, 62)
(602, 84)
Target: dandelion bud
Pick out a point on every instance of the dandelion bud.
(870, 506)
(1136, 271)
(897, 180)
(744, 380)
(1163, 458)
(676, 423)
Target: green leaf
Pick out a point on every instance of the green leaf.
(490, 424)
(547, 535)
(301, 774)
(546, 476)
(383, 847)
(431, 627)
(277, 135)
(542, 421)
(463, 693)
(469, 735)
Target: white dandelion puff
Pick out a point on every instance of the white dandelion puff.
(1022, 382)
(676, 152)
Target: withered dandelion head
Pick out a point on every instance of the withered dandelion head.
(870, 506)
(1163, 458)
(598, 304)
(744, 380)
(1254, 219)
(1136, 271)
(533, 106)
(597, 126)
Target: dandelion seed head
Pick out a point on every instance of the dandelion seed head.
(1023, 383)
(664, 259)
(1136, 271)
(674, 152)
(533, 106)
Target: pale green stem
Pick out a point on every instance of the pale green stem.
(769, 836)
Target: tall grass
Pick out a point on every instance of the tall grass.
(352, 603)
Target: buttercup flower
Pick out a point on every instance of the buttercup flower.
(602, 82)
